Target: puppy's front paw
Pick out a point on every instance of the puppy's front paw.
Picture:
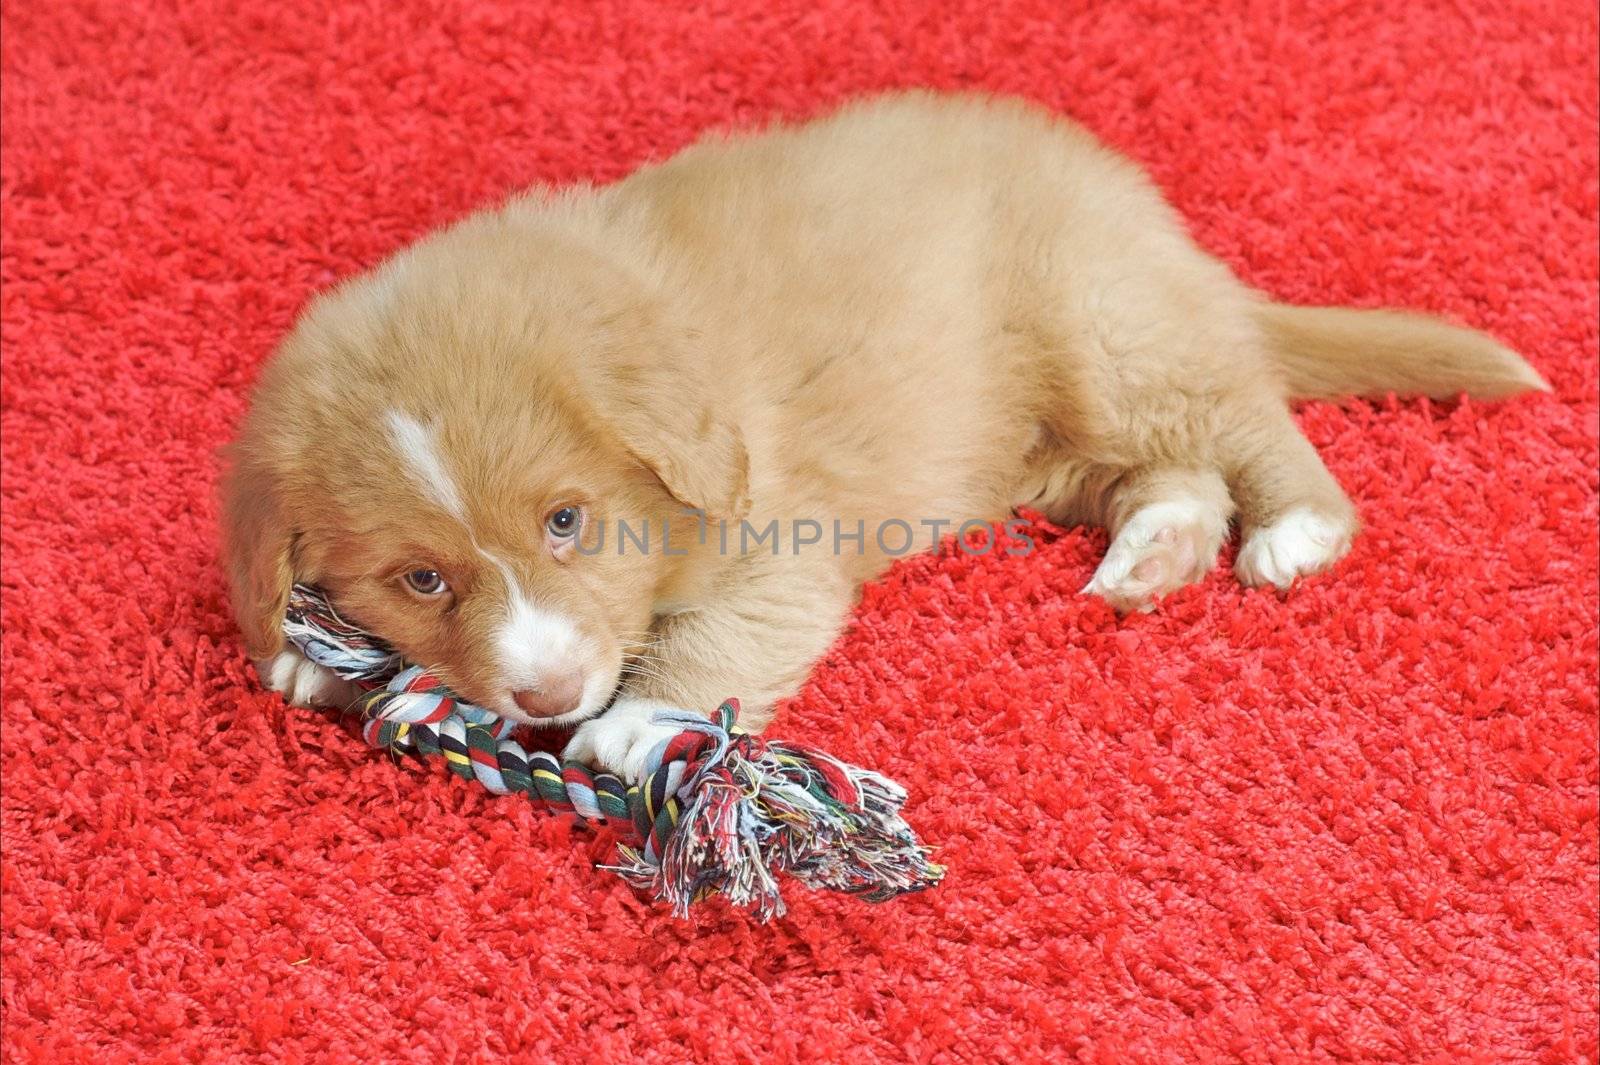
(303, 682)
(621, 739)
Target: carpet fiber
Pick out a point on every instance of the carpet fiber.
(1357, 823)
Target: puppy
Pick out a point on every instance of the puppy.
(918, 312)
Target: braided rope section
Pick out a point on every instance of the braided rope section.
(719, 811)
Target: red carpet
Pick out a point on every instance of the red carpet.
(1358, 824)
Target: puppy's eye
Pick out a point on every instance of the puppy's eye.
(564, 522)
(426, 582)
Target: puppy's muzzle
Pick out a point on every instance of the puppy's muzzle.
(558, 693)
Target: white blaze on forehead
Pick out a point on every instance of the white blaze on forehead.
(415, 445)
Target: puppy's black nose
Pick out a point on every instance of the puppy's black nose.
(557, 694)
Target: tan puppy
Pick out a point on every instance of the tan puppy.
(850, 336)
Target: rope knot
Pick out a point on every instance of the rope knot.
(719, 811)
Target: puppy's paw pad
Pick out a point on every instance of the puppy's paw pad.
(1161, 548)
(304, 683)
(621, 740)
(1296, 545)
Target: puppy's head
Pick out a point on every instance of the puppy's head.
(449, 448)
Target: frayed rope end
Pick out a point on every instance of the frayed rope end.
(752, 811)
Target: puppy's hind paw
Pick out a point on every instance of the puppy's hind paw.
(1159, 550)
(1296, 545)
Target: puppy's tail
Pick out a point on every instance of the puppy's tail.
(1331, 352)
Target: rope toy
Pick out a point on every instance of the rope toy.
(719, 811)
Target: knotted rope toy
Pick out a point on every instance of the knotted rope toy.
(719, 811)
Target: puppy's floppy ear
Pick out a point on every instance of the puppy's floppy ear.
(651, 393)
(258, 543)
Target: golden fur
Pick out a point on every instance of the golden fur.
(922, 307)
